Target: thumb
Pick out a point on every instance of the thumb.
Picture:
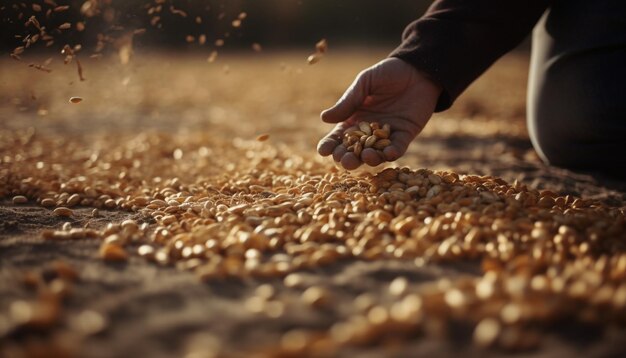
(351, 100)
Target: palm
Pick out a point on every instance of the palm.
(390, 92)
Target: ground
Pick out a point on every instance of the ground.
(202, 120)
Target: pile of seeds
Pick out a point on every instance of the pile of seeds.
(259, 211)
(367, 135)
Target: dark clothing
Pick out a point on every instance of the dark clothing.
(457, 40)
(577, 87)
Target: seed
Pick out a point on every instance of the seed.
(212, 57)
(73, 200)
(370, 141)
(75, 100)
(63, 211)
(65, 26)
(398, 286)
(130, 226)
(321, 46)
(64, 270)
(365, 128)
(382, 144)
(263, 137)
(315, 296)
(381, 133)
(19, 199)
(89, 322)
(314, 58)
(486, 332)
(146, 251)
(113, 252)
(48, 202)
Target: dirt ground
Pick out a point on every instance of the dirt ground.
(161, 311)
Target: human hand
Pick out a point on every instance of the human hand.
(390, 92)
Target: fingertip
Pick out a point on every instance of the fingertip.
(329, 116)
(326, 146)
(371, 157)
(339, 152)
(350, 161)
(392, 153)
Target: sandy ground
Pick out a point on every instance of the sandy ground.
(156, 311)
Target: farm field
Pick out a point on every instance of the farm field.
(208, 242)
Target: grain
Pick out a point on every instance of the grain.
(113, 252)
(63, 211)
(19, 199)
(367, 135)
(316, 296)
(320, 49)
(262, 137)
(75, 100)
(248, 214)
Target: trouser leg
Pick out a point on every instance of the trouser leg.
(577, 86)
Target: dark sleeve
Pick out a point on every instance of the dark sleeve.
(457, 40)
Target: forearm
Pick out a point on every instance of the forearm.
(457, 40)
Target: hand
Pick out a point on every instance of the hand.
(392, 91)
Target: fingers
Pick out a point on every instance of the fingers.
(400, 141)
(349, 102)
(350, 161)
(371, 157)
(339, 152)
(327, 145)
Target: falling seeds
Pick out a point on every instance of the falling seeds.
(75, 100)
(257, 47)
(320, 49)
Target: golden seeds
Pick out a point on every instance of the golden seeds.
(367, 135)
(75, 100)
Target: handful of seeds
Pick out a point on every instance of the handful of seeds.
(367, 135)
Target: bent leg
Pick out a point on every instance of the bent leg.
(577, 87)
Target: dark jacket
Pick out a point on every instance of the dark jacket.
(457, 40)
